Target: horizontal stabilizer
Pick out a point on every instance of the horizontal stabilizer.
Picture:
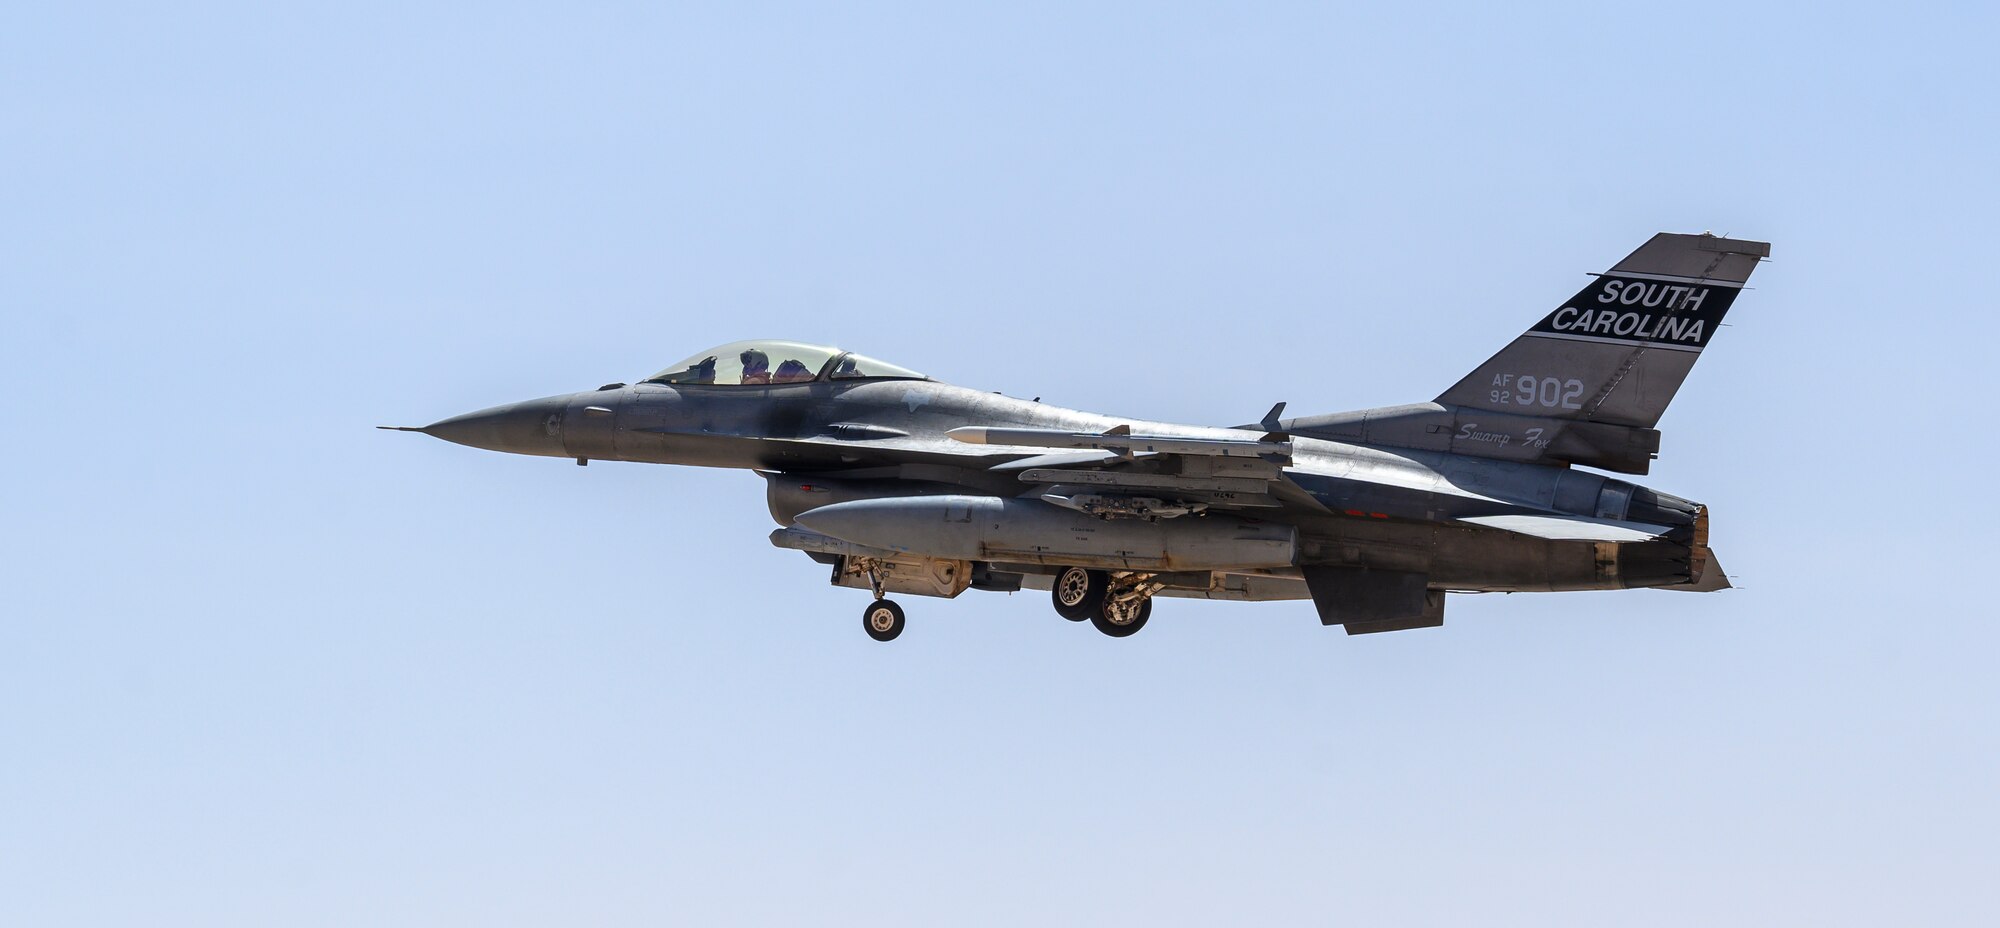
(1571, 528)
(1712, 578)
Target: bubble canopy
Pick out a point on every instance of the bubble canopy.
(767, 362)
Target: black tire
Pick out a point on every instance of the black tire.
(1116, 630)
(882, 620)
(1084, 587)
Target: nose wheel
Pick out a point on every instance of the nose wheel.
(883, 620)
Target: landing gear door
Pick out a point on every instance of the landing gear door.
(916, 576)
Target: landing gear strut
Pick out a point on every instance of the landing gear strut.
(883, 619)
(1118, 604)
(1121, 617)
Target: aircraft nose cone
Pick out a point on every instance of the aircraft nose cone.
(528, 427)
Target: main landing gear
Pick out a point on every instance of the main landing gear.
(1117, 604)
(1078, 592)
(1119, 618)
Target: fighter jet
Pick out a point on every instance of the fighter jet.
(898, 483)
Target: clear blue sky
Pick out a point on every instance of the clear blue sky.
(263, 665)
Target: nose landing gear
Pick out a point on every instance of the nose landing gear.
(883, 620)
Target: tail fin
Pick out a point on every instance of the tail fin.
(1617, 352)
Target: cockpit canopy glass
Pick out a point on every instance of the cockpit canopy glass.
(852, 366)
(767, 362)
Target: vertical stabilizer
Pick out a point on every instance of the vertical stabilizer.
(1617, 351)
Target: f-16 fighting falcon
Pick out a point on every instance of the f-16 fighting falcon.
(902, 484)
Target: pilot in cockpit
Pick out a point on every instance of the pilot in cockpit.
(793, 371)
(750, 363)
(756, 366)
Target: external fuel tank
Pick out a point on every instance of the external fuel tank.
(1030, 531)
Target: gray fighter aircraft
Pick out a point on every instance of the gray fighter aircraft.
(902, 484)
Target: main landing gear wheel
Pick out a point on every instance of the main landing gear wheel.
(1119, 618)
(1079, 593)
(883, 620)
